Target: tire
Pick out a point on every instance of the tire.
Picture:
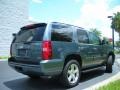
(109, 64)
(71, 74)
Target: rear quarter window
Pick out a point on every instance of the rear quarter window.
(61, 33)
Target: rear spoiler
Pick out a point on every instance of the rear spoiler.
(31, 26)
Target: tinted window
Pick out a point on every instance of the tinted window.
(27, 35)
(61, 33)
(94, 39)
(82, 36)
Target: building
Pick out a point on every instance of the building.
(13, 15)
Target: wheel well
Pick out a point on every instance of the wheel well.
(73, 56)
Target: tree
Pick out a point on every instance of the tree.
(117, 44)
(116, 23)
(97, 32)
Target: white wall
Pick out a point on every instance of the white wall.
(13, 15)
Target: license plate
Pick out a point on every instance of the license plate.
(22, 52)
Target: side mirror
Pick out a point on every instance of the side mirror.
(14, 34)
(103, 42)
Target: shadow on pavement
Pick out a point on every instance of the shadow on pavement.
(45, 84)
(92, 74)
(33, 84)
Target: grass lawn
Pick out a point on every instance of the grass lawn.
(111, 86)
(4, 57)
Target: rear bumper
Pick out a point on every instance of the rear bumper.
(45, 68)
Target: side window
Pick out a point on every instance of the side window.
(94, 39)
(61, 33)
(82, 36)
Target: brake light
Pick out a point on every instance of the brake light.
(46, 50)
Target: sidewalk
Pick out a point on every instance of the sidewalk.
(117, 62)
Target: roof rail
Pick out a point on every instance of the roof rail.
(67, 24)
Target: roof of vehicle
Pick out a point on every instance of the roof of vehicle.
(40, 24)
(67, 24)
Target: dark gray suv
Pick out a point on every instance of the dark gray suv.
(57, 49)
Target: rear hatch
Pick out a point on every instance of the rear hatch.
(27, 44)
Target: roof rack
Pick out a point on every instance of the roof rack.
(67, 24)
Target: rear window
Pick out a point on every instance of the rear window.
(30, 34)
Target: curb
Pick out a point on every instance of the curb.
(105, 82)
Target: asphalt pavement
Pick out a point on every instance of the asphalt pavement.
(12, 80)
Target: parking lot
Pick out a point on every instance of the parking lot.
(12, 80)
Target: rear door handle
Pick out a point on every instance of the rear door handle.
(81, 48)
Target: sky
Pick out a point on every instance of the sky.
(84, 13)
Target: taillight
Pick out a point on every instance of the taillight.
(46, 50)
